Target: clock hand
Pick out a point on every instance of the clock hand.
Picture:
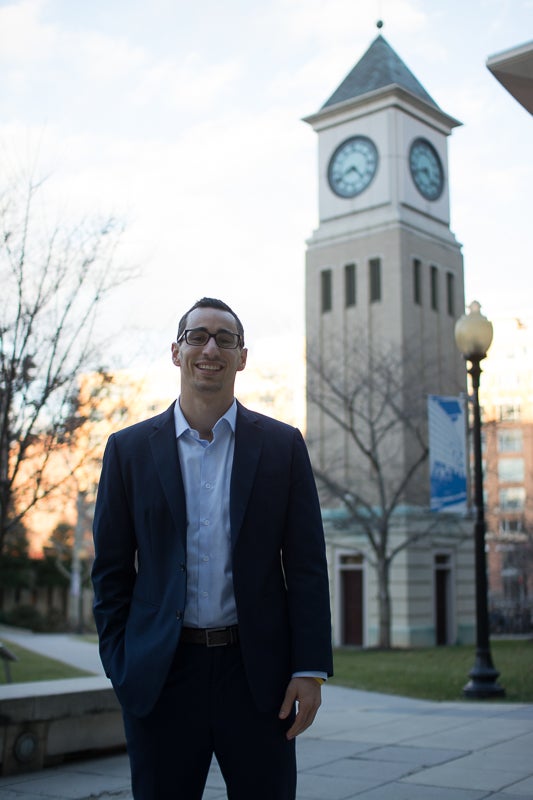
(353, 168)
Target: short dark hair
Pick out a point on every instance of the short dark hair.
(211, 302)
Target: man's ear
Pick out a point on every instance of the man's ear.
(176, 354)
(244, 354)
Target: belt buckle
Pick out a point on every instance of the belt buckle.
(208, 633)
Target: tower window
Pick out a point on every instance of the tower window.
(374, 266)
(434, 288)
(417, 281)
(350, 285)
(326, 280)
(450, 287)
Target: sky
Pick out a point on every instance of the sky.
(184, 119)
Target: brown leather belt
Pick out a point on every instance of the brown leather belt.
(210, 637)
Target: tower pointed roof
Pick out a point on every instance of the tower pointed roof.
(380, 67)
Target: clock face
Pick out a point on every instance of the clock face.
(426, 169)
(352, 166)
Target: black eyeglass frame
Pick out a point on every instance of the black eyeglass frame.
(237, 338)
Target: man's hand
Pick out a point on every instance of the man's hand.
(306, 692)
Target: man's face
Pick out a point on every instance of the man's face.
(209, 368)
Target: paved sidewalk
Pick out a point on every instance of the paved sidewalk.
(363, 745)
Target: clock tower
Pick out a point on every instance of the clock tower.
(384, 287)
(383, 266)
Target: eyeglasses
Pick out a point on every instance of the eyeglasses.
(198, 337)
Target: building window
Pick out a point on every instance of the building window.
(417, 281)
(511, 525)
(510, 413)
(513, 498)
(511, 470)
(374, 266)
(434, 288)
(450, 293)
(326, 280)
(350, 285)
(510, 441)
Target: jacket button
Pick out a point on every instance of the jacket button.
(182, 567)
(179, 615)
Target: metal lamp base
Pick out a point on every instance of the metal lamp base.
(483, 683)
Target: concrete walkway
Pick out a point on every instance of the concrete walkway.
(363, 745)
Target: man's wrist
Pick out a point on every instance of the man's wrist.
(319, 676)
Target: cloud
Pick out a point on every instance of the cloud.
(24, 37)
(188, 84)
(102, 57)
(333, 23)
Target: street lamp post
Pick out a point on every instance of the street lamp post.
(473, 336)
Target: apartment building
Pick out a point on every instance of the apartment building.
(507, 400)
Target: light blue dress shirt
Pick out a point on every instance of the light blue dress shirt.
(206, 469)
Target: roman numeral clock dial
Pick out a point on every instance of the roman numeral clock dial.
(352, 166)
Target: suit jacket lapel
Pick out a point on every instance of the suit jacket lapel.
(248, 444)
(165, 452)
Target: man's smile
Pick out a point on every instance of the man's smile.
(208, 367)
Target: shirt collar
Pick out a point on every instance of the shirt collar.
(182, 425)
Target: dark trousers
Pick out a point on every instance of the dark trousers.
(206, 708)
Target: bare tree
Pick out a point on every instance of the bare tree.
(53, 284)
(367, 432)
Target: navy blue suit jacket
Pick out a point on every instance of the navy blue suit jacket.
(279, 566)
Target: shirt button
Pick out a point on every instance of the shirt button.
(208, 485)
(205, 522)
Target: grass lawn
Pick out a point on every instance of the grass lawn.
(34, 667)
(436, 673)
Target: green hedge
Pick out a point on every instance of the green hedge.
(22, 572)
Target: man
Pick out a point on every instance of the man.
(210, 581)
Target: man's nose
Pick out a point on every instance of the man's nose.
(210, 347)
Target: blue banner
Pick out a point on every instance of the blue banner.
(447, 453)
